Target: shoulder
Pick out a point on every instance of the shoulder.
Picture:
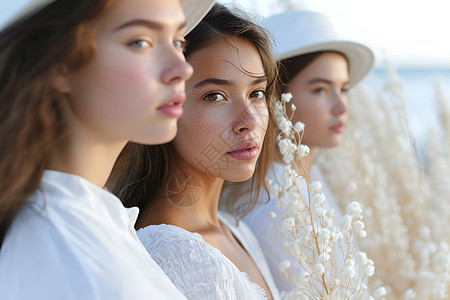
(172, 243)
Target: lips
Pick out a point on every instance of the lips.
(338, 128)
(245, 151)
(172, 108)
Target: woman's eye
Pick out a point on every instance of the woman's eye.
(180, 44)
(259, 94)
(344, 91)
(318, 90)
(214, 97)
(140, 44)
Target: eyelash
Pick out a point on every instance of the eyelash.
(263, 96)
(213, 94)
(318, 90)
(182, 44)
(140, 41)
(178, 44)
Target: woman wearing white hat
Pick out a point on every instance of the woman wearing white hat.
(78, 80)
(317, 66)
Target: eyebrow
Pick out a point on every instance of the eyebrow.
(223, 82)
(316, 80)
(149, 24)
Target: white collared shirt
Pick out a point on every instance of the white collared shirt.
(74, 240)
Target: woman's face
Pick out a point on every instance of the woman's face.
(225, 118)
(320, 95)
(133, 88)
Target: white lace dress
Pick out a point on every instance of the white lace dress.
(198, 269)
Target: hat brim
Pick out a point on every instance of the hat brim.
(360, 58)
(194, 11)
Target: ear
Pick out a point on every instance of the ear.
(60, 81)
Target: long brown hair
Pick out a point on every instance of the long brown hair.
(141, 171)
(31, 120)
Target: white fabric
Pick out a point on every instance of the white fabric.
(267, 230)
(196, 268)
(74, 240)
(248, 240)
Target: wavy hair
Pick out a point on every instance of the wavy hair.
(31, 121)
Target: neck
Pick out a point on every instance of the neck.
(190, 200)
(87, 157)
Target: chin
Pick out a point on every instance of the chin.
(160, 134)
(239, 174)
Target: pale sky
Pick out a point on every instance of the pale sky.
(409, 32)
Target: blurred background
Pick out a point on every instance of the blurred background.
(408, 37)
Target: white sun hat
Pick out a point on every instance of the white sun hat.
(298, 32)
(13, 10)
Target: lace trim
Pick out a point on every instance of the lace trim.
(260, 290)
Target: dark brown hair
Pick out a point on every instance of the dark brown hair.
(141, 171)
(290, 67)
(31, 120)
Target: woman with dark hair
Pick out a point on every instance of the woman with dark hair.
(79, 80)
(226, 132)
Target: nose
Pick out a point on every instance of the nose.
(177, 68)
(340, 103)
(246, 120)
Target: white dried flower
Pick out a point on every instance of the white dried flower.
(324, 257)
(318, 199)
(284, 265)
(272, 215)
(317, 212)
(358, 227)
(293, 107)
(361, 258)
(304, 278)
(316, 187)
(285, 126)
(286, 97)
(288, 224)
(283, 144)
(324, 235)
(380, 293)
(347, 223)
(304, 150)
(349, 269)
(369, 268)
(275, 191)
(354, 209)
(299, 126)
(319, 269)
(409, 294)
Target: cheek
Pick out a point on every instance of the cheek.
(197, 129)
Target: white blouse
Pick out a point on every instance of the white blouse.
(198, 269)
(74, 240)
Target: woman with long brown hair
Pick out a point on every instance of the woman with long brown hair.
(78, 80)
(226, 133)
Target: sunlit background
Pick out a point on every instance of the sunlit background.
(412, 36)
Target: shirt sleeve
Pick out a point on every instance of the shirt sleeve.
(36, 263)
